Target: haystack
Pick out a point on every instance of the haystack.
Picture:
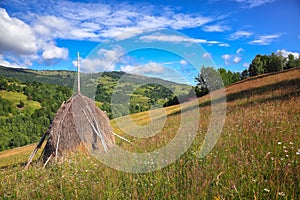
(78, 125)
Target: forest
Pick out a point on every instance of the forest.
(23, 121)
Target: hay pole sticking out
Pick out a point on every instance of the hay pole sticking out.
(35, 150)
(91, 113)
(48, 160)
(97, 132)
(121, 137)
(56, 150)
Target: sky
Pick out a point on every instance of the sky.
(155, 38)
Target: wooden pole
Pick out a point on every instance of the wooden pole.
(78, 73)
(35, 150)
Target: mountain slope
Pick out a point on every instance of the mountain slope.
(256, 157)
(146, 92)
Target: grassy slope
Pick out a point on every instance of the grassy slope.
(16, 97)
(256, 157)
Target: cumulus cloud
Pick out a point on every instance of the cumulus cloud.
(52, 52)
(240, 34)
(183, 62)
(28, 44)
(226, 58)
(206, 55)
(237, 59)
(151, 67)
(16, 36)
(264, 39)
(233, 58)
(95, 22)
(286, 53)
(105, 60)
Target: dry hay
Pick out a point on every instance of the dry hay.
(78, 124)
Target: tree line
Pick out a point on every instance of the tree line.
(270, 63)
(210, 79)
(17, 127)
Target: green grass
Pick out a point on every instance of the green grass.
(15, 97)
(256, 157)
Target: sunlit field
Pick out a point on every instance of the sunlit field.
(256, 157)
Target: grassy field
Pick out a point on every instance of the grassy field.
(256, 157)
(16, 97)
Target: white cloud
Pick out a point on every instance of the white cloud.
(181, 21)
(215, 28)
(239, 51)
(16, 36)
(240, 34)
(286, 53)
(171, 38)
(246, 65)
(151, 67)
(206, 55)
(224, 45)
(226, 58)
(264, 39)
(105, 60)
(36, 32)
(183, 62)
(254, 3)
(233, 58)
(178, 39)
(237, 59)
(52, 52)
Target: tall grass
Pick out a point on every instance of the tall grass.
(256, 157)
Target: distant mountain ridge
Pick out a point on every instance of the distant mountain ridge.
(67, 78)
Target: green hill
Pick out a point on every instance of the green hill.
(103, 85)
(29, 99)
(256, 157)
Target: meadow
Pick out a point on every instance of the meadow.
(256, 157)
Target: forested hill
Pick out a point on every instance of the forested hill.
(29, 99)
(59, 77)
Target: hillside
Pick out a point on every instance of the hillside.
(147, 91)
(256, 157)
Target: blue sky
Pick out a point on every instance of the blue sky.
(47, 34)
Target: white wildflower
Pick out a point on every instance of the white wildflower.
(281, 194)
(267, 190)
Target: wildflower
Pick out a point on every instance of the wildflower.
(298, 153)
(284, 147)
(291, 143)
(281, 194)
(287, 155)
(266, 190)
(278, 143)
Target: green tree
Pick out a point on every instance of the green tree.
(209, 78)
(3, 84)
(244, 74)
(256, 66)
(291, 63)
(275, 63)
